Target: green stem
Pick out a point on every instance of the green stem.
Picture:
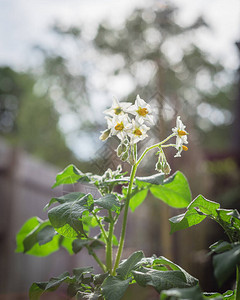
(124, 224)
(94, 255)
(101, 227)
(238, 283)
(109, 244)
(158, 145)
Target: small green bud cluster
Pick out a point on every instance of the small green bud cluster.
(162, 165)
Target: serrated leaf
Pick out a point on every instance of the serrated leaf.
(161, 280)
(185, 293)
(70, 175)
(127, 265)
(175, 191)
(114, 288)
(66, 217)
(225, 264)
(192, 216)
(110, 202)
(137, 199)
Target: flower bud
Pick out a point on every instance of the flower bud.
(166, 168)
(121, 149)
(124, 157)
(105, 134)
(131, 159)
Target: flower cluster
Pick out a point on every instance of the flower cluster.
(181, 137)
(121, 121)
(128, 123)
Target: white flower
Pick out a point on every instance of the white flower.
(141, 110)
(181, 136)
(137, 132)
(119, 125)
(180, 149)
(117, 108)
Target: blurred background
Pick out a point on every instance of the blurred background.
(60, 65)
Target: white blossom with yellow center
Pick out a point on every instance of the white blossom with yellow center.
(141, 110)
(119, 125)
(137, 132)
(117, 108)
(181, 137)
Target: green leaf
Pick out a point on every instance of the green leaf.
(46, 234)
(36, 237)
(229, 295)
(225, 263)
(185, 293)
(114, 288)
(66, 217)
(110, 202)
(207, 207)
(70, 175)
(27, 227)
(149, 180)
(127, 265)
(196, 212)
(80, 272)
(36, 290)
(161, 280)
(220, 246)
(137, 199)
(66, 243)
(79, 244)
(192, 281)
(55, 282)
(175, 191)
(66, 198)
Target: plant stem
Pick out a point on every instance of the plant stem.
(124, 224)
(101, 227)
(158, 145)
(98, 260)
(109, 244)
(238, 283)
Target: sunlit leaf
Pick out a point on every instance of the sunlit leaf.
(70, 175)
(174, 191)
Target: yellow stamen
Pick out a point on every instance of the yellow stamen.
(137, 132)
(185, 148)
(119, 126)
(142, 111)
(117, 110)
(181, 132)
